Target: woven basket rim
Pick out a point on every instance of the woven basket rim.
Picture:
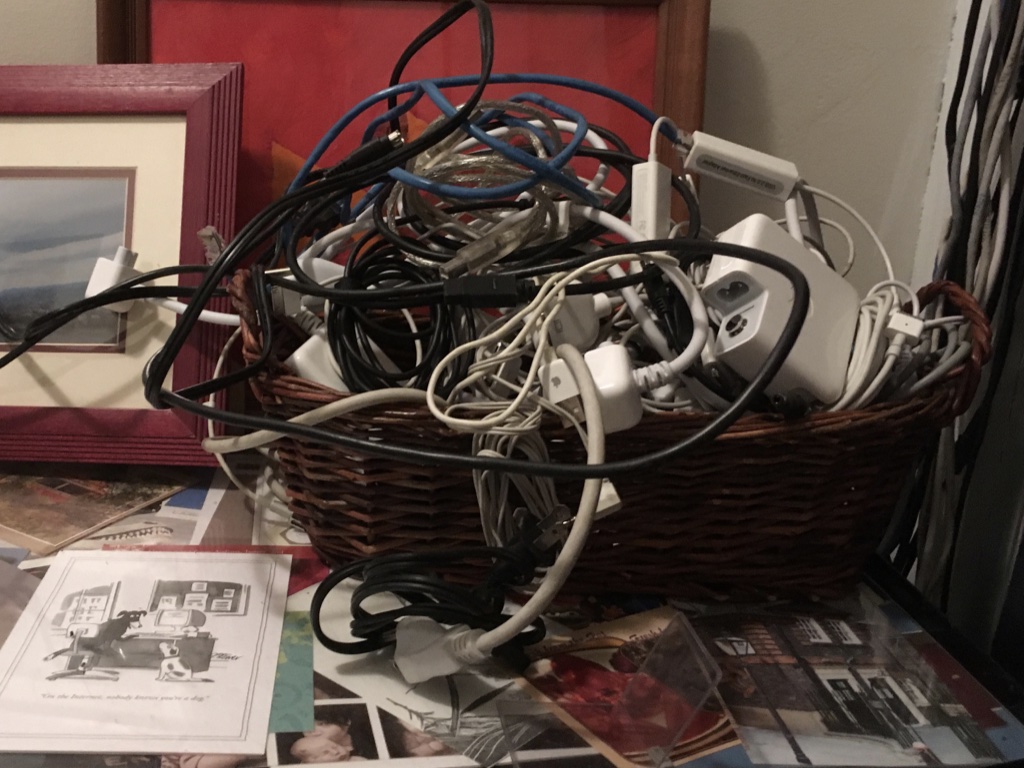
(278, 384)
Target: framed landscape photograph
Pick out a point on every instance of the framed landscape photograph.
(54, 224)
(93, 158)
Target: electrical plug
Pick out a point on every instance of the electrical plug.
(742, 166)
(560, 388)
(110, 272)
(912, 328)
(612, 369)
(425, 649)
(576, 323)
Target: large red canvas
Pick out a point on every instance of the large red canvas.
(307, 62)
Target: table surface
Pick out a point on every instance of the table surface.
(232, 525)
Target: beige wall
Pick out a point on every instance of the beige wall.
(47, 32)
(849, 90)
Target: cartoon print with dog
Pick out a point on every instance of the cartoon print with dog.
(175, 669)
(167, 636)
(91, 648)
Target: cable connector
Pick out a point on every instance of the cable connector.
(739, 165)
(560, 388)
(609, 502)
(912, 328)
(548, 534)
(482, 253)
(575, 322)
(286, 302)
(110, 272)
(482, 291)
(651, 210)
(425, 649)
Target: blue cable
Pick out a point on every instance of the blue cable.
(463, 80)
(391, 114)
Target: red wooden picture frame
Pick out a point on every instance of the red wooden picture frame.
(209, 98)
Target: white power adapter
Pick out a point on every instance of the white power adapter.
(651, 210)
(575, 322)
(755, 302)
(107, 273)
(612, 370)
(742, 166)
(313, 361)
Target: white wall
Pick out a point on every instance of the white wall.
(47, 32)
(850, 90)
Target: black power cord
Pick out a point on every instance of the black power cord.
(686, 251)
(275, 217)
(414, 579)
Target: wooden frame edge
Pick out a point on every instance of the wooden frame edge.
(209, 97)
(122, 31)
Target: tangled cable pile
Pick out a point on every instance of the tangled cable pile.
(501, 268)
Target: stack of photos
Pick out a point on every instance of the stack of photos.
(348, 728)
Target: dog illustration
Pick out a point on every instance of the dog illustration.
(109, 631)
(175, 669)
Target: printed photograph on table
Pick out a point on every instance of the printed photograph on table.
(341, 733)
(179, 650)
(14, 760)
(54, 225)
(181, 519)
(590, 675)
(404, 740)
(325, 688)
(843, 683)
(458, 710)
(133, 761)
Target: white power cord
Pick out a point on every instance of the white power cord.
(658, 374)
(109, 273)
(424, 651)
(860, 220)
(530, 325)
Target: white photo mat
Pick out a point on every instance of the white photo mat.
(154, 146)
(195, 673)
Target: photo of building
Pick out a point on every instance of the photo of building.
(833, 688)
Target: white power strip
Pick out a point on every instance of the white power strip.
(755, 302)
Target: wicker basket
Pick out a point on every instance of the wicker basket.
(772, 506)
